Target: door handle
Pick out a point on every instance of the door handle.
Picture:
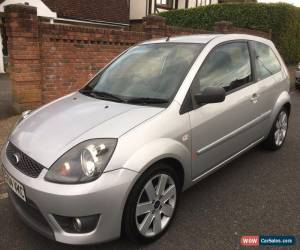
(254, 98)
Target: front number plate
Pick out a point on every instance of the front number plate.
(15, 186)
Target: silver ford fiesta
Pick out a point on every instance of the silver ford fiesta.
(114, 157)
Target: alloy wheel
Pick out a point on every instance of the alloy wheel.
(281, 128)
(156, 205)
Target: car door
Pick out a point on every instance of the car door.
(270, 80)
(222, 130)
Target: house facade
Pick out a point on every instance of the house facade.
(110, 13)
(141, 8)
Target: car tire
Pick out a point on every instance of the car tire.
(136, 223)
(278, 132)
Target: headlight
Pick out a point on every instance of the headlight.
(83, 163)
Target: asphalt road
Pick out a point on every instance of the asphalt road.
(258, 194)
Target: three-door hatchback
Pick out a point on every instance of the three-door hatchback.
(114, 156)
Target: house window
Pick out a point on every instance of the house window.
(165, 4)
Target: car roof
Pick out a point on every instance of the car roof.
(205, 38)
(185, 39)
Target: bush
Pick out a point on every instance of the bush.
(282, 19)
(237, 1)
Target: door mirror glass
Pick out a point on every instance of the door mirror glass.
(210, 95)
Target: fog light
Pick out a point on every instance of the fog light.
(85, 224)
(77, 225)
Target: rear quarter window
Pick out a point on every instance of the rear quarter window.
(267, 63)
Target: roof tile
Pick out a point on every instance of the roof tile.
(96, 10)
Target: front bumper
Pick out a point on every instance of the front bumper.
(106, 196)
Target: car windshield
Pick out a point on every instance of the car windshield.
(145, 74)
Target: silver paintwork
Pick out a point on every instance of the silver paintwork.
(185, 39)
(215, 168)
(212, 136)
(77, 118)
(103, 197)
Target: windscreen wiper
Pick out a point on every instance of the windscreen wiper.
(147, 100)
(102, 95)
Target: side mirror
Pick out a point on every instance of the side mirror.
(211, 95)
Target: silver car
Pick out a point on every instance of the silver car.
(114, 157)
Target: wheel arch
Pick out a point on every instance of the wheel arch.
(284, 100)
(288, 106)
(166, 150)
(170, 161)
(175, 164)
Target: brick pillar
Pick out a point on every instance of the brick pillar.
(154, 26)
(24, 55)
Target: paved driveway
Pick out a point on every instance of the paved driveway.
(254, 195)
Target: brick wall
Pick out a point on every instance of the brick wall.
(24, 55)
(48, 60)
(70, 55)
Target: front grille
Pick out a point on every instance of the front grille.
(22, 162)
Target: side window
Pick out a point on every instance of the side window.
(267, 63)
(227, 66)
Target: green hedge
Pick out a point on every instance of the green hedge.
(283, 19)
(238, 1)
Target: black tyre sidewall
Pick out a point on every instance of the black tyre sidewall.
(129, 226)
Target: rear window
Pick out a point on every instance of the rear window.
(267, 63)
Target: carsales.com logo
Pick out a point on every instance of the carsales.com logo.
(254, 241)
